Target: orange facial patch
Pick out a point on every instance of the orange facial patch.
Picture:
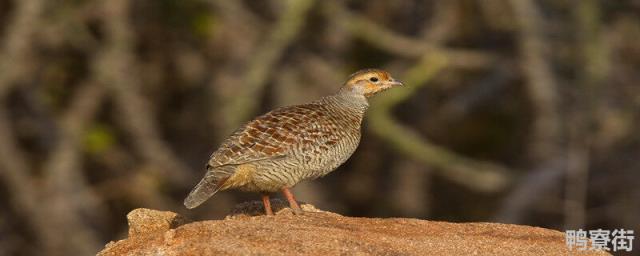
(371, 87)
(384, 75)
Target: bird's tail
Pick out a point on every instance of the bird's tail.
(206, 188)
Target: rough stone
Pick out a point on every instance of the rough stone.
(316, 232)
(145, 221)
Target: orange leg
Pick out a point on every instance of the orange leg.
(267, 204)
(292, 201)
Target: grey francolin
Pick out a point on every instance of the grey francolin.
(277, 150)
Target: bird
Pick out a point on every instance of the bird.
(281, 148)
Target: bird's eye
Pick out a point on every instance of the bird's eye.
(373, 79)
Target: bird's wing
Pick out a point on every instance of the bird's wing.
(275, 134)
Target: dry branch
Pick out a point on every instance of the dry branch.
(540, 81)
(477, 175)
(591, 74)
(229, 78)
(24, 195)
(70, 200)
(261, 65)
(15, 64)
(404, 46)
(15, 55)
(116, 71)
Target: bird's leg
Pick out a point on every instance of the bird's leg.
(267, 204)
(292, 201)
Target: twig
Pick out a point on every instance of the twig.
(478, 175)
(69, 198)
(540, 83)
(25, 197)
(228, 80)
(116, 71)
(482, 176)
(15, 55)
(527, 190)
(594, 55)
(374, 34)
(410, 185)
(482, 91)
(15, 64)
(401, 45)
(262, 63)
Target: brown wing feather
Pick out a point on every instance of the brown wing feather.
(271, 135)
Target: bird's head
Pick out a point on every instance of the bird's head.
(369, 82)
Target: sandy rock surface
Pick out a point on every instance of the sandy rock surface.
(246, 232)
(144, 221)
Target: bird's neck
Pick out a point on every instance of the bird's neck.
(351, 102)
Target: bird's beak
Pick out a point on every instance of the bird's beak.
(394, 83)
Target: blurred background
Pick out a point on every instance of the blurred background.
(515, 111)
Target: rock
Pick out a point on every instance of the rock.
(145, 221)
(318, 232)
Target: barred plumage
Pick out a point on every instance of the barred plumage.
(277, 150)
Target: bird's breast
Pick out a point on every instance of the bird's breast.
(328, 157)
